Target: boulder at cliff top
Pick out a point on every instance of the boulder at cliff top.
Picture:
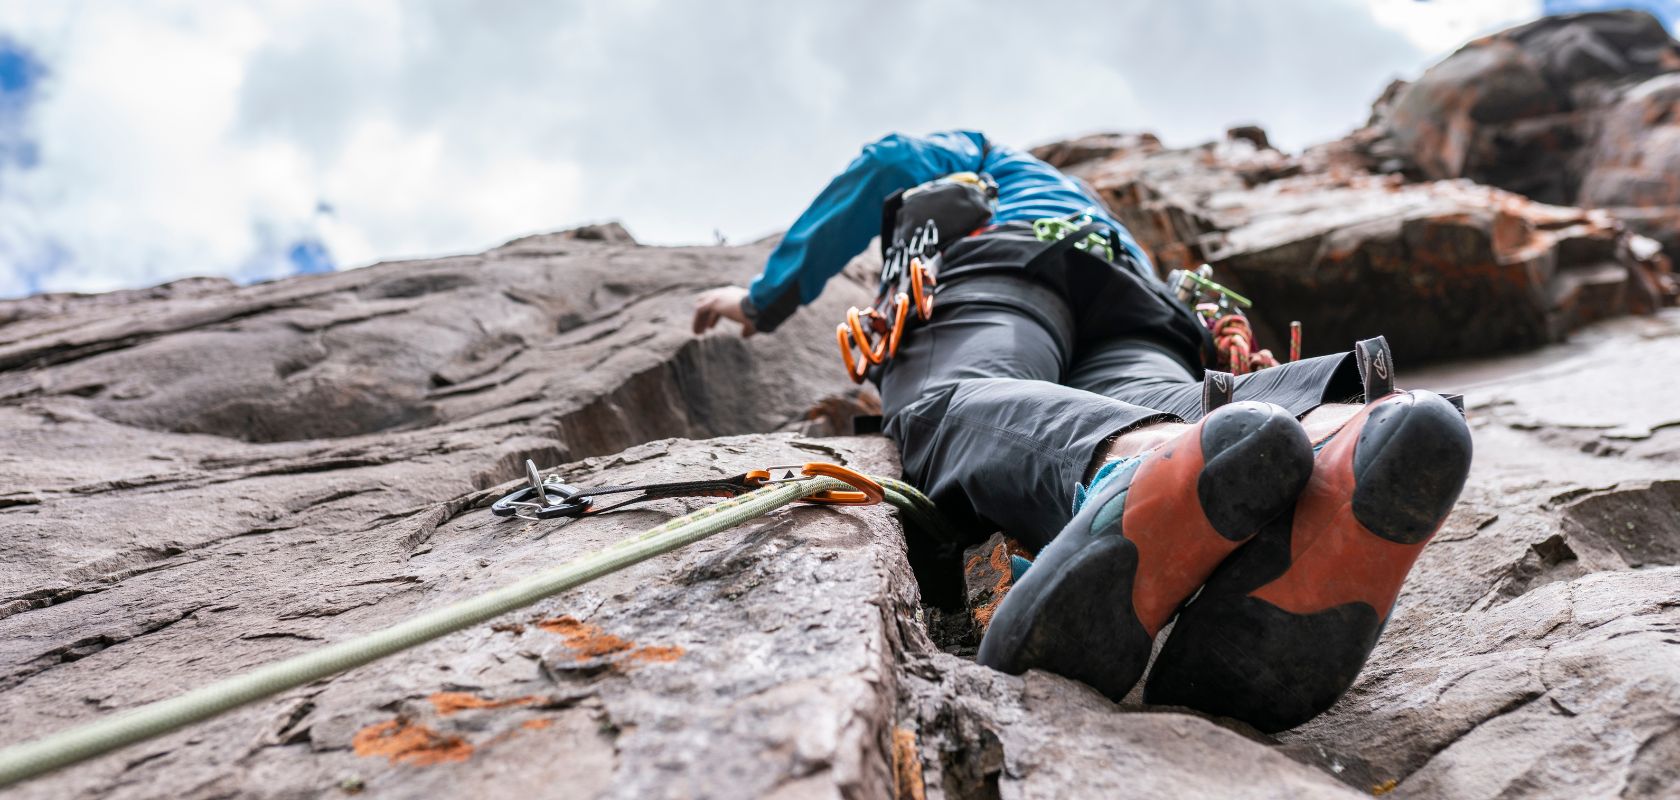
(1573, 110)
(1380, 233)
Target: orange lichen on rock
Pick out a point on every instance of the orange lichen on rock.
(657, 654)
(588, 640)
(998, 560)
(907, 766)
(407, 742)
(536, 724)
(448, 703)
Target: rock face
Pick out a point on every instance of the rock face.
(714, 672)
(1533, 654)
(200, 478)
(581, 336)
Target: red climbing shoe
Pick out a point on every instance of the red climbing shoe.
(1148, 533)
(1283, 627)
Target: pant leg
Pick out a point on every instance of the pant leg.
(974, 402)
(1137, 371)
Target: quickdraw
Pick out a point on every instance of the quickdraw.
(551, 498)
(1222, 311)
(870, 336)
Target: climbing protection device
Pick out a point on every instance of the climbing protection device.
(23, 761)
(870, 336)
(1222, 311)
(550, 498)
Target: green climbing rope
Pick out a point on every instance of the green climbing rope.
(23, 761)
(917, 510)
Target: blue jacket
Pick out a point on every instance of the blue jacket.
(840, 222)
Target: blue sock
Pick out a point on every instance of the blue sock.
(1017, 567)
(1081, 493)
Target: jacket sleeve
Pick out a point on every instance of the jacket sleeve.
(845, 216)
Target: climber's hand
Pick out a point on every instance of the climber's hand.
(721, 303)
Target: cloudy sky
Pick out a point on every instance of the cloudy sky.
(146, 141)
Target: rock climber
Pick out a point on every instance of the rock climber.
(1058, 394)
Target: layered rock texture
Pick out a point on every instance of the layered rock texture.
(1567, 110)
(201, 478)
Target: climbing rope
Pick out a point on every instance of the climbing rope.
(1234, 340)
(23, 761)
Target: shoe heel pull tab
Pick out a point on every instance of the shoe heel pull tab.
(1217, 390)
(1376, 367)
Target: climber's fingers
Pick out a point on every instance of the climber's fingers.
(704, 318)
(719, 304)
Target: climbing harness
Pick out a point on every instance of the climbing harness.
(814, 481)
(550, 498)
(1222, 311)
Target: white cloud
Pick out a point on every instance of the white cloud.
(138, 179)
(1440, 26)
(190, 138)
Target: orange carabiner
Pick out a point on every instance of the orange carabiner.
(853, 369)
(901, 308)
(875, 352)
(868, 491)
(921, 289)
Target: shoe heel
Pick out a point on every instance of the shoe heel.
(1411, 462)
(1256, 460)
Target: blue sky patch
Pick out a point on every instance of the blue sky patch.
(310, 257)
(1665, 10)
(20, 72)
(20, 78)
